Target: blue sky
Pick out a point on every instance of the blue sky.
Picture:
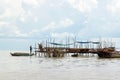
(25, 22)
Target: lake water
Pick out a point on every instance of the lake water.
(67, 68)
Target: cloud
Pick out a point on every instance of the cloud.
(57, 3)
(52, 25)
(26, 16)
(35, 3)
(2, 23)
(61, 35)
(31, 2)
(34, 32)
(12, 9)
(10, 30)
(34, 17)
(114, 6)
(64, 23)
(101, 30)
(84, 6)
(15, 9)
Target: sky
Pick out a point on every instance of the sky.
(26, 22)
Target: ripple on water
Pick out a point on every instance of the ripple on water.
(39, 68)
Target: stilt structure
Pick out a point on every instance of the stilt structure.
(53, 49)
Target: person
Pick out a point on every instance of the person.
(30, 49)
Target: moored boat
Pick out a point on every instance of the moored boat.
(115, 54)
(21, 54)
(74, 55)
(108, 53)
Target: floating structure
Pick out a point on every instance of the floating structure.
(53, 49)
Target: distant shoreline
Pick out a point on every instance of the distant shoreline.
(8, 51)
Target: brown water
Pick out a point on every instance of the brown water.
(67, 68)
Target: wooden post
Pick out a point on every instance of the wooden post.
(35, 49)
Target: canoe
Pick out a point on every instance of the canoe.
(21, 54)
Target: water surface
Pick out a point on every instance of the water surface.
(67, 68)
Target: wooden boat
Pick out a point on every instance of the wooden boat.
(21, 54)
(74, 55)
(108, 53)
(115, 54)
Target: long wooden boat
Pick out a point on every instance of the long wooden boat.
(115, 54)
(21, 54)
(108, 53)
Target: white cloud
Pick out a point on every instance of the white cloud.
(26, 16)
(35, 19)
(84, 6)
(34, 32)
(12, 9)
(2, 23)
(64, 23)
(100, 30)
(114, 6)
(35, 3)
(10, 30)
(18, 33)
(31, 2)
(61, 35)
(31, 33)
(57, 3)
(50, 26)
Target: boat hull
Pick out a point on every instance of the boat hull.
(21, 54)
(74, 55)
(109, 55)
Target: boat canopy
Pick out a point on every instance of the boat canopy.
(87, 42)
(59, 44)
(83, 42)
(96, 42)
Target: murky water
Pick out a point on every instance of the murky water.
(67, 68)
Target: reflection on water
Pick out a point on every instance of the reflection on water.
(39, 68)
